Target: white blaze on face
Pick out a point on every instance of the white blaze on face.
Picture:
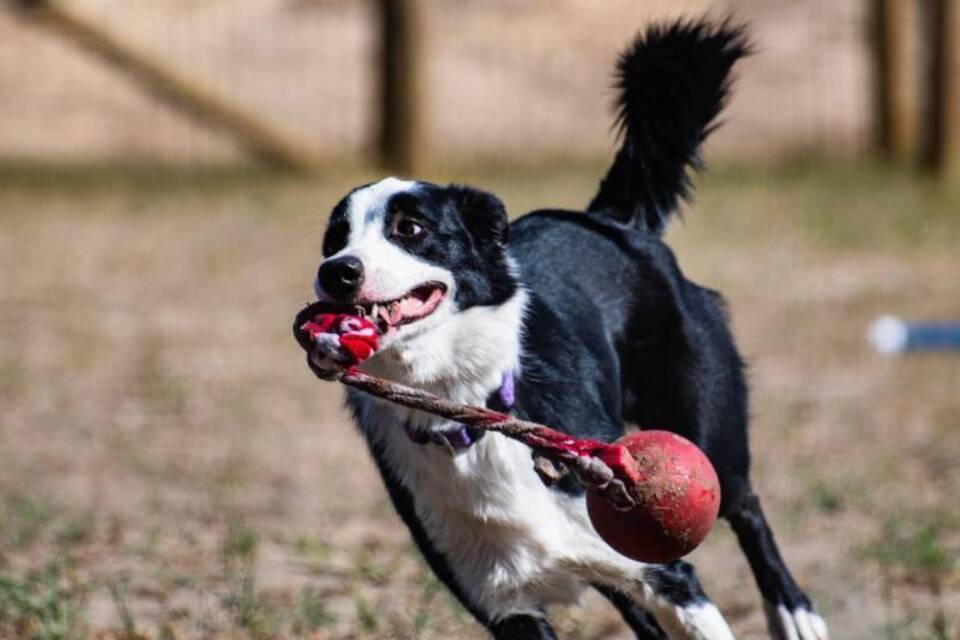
(389, 271)
(367, 207)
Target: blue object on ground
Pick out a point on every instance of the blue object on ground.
(890, 335)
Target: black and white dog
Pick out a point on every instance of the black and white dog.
(578, 320)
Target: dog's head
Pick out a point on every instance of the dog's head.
(412, 256)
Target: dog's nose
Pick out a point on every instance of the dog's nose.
(341, 278)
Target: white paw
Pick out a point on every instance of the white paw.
(795, 624)
(705, 621)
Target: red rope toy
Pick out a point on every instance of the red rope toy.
(651, 495)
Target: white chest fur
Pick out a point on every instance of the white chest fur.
(512, 543)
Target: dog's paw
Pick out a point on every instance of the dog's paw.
(799, 623)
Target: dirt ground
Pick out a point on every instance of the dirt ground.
(170, 469)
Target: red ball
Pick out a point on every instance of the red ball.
(677, 497)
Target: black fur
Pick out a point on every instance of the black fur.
(677, 582)
(675, 359)
(773, 578)
(523, 627)
(640, 621)
(673, 82)
(338, 227)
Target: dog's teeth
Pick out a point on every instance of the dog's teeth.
(373, 310)
(395, 314)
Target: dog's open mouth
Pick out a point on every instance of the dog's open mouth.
(390, 315)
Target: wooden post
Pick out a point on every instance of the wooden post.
(197, 102)
(950, 91)
(940, 124)
(932, 117)
(894, 130)
(401, 142)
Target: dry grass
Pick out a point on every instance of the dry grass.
(169, 469)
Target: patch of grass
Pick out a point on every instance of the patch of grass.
(312, 549)
(913, 552)
(852, 205)
(47, 604)
(118, 593)
(312, 613)
(913, 548)
(869, 205)
(76, 530)
(25, 521)
(239, 544)
(22, 520)
(365, 613)
(370, 566)
(164, 392)
(825, 496)
(423, 617)
(249, 611)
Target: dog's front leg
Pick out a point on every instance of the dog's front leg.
(522, 626)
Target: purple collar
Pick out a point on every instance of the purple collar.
(503, 400)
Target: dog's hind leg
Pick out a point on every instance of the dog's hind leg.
(522, 626)
(672, 594)
(640, 621)
(790, 615)
(693, 385)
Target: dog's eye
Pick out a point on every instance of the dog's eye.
(407, 228)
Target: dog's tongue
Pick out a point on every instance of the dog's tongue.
(414, 305)
(357, 336)
(410, 306)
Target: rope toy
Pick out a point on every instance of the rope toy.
(341, 337)
(652, 495)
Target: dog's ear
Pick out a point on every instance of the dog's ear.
(483, 215)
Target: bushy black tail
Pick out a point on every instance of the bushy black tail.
(673, 82)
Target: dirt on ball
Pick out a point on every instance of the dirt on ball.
(677, 496)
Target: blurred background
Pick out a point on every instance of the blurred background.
(170, 469)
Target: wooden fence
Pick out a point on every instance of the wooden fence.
(914, 65)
